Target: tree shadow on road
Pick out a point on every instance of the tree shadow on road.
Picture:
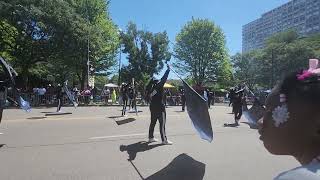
(182, 167)
(133, 149)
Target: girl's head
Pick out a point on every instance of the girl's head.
(291, 124)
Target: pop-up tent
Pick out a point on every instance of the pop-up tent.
(110, 85)
(166, 85)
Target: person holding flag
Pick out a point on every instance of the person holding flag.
(238, 101)
(8, 81)
(3, 95)
(60, 93)
(124, 94)
(154, 94)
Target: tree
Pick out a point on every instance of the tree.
(200, 51)
(102, 33)
(147, 53)
(246, 68)
(100, 81)
(51, 37)
(283, 53)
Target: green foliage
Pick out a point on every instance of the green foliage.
(51, 37)
(284, 53)
(201, 52)
(114, 79)
(100, 81)
(245, 68)
(146, 53)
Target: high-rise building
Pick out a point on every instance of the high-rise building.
(300, 15)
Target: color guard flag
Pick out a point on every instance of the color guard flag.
(197, 108)
(255, 113)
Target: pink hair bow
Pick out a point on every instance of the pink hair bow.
(313, 69)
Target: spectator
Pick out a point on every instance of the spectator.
(75, 92)
(114, 96)
(106, 95)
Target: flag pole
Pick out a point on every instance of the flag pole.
(175, 72)
(184, 81)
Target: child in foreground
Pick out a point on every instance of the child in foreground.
(291, 124)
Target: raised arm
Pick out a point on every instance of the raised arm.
(164, 77)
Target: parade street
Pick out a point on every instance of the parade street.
(95, 143)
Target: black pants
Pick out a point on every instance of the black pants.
(59, 104)
(230, 102)
(1, 111)
(237, 112)
(134, 104)
(124, 106)
(160, 115)
(183, 104)
(106, 100)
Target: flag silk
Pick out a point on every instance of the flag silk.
(8, 70)
(11, 73)
(197, 108)
(69, 95)
(255, 113)
(25, 105)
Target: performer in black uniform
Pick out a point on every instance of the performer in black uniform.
(59, 93)
(231, 97)
(133, 99)
(237, 105)
(157, 108)
(183, 99)
(124, 93)
(3, 95)
(5, 82)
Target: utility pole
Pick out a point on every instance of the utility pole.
(119, 76)
(272, 68)
(88, 60)
(88, 45)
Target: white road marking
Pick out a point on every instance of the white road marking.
(118, 136)
(55, 118)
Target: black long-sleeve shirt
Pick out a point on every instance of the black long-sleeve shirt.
(157, 92)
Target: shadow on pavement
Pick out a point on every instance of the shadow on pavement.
(125, 121)
(2, 145)
(182, 167)
(135, 111)
(252, 126)
(57, 113)
(231, 125)
(42, 117)
(133, 149)
(114, 117)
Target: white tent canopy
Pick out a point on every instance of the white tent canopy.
(110, 85)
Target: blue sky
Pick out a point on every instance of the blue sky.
(171, 15)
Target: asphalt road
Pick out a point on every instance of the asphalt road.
(95, 143)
